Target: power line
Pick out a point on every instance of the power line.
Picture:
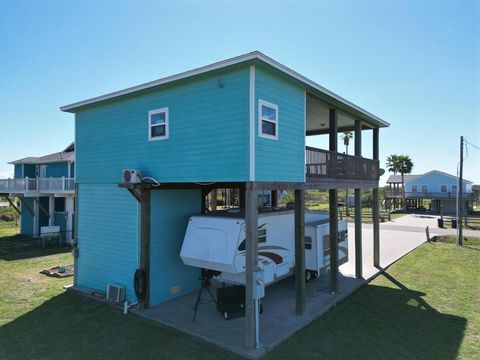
(469, 143)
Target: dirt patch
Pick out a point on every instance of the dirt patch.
(59, 271)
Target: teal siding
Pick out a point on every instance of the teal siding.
(171, 210)
(208, 133)
(57, 169)
(29, 170)
(17, 173)
(282, 159)
(26, 227)
(107, 237)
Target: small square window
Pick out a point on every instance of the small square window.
(414, 188)
(454, 189)
(443, 188)
(158, 124)
(268, 120)
(424, 188)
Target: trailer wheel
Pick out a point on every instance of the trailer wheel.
(227, 315)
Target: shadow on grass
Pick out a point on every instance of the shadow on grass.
(71, 326)
(379, 322)
(19, 247)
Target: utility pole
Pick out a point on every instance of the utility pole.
(460, 197)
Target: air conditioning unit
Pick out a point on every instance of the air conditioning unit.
(131, 176)
(115, 293)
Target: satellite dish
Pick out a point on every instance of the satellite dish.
(381, 171)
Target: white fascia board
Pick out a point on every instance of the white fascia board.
(256, 55)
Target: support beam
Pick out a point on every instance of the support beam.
(75, 236)
(136, 194)
(51, 210)
(358, 208)
(241, 198)
(333, 212)
(333, 204)
(25, 205)
(375, 207)
(204, 200)
(145, 243)
(251, 264)
(40, 206)
(274, 199)
(300, 251)
(13, 205)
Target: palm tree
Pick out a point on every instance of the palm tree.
(400, 164)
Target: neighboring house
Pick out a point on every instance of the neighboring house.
(45, 187)
(238, 124)
(437, 186)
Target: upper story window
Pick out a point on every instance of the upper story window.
(424, 188)
(454, 189)
(268, 120)
(443, 188)
(158, 124)
(414, 188)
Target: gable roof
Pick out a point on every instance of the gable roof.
(410, 177)
(68, 155)
(251, 57)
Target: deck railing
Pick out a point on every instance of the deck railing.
(427, 195)
(328, 164)
(35, 185)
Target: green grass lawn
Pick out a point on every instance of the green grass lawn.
(424, 307)
(8, 228)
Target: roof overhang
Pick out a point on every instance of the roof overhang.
(323, 93)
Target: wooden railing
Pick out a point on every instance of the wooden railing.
(35, 185)
(427, 195)
(328, 164)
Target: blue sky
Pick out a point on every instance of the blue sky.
(415, 64)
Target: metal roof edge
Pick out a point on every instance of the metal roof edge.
(222, 64)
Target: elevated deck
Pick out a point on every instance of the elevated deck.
(37, 186)
(427, 195)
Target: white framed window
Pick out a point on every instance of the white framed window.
(454, 189)
(414, 188)
(158, 124)
(424, 188)
(267, 120)
(443, 188)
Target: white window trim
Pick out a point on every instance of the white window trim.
(422, 188)
(167, 130)
(452, 190)
(270, 105)
(446, 188)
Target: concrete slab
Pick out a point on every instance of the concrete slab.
(279, 321)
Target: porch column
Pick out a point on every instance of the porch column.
(300, 251)
(145, 243)
(251, 264)
(333, 203)
(68, 226)
(375, 209)
(358, 207)
(51, 210)
(274, 199)
(36, 217)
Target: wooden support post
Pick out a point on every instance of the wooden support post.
(358, 234)
(358, 207)
(375, 207)
(145, 243)
(300, 251)
(241, 198)
(51, 209)
(274, 199)
(13, 205)
(333, 210)
(76, 252)
(251, 263)
(333, 203)
(213, 197)
(427, 233)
